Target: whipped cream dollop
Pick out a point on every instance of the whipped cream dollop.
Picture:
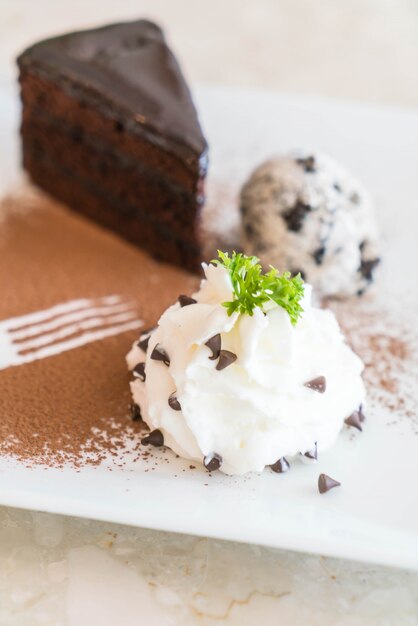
(275, 390)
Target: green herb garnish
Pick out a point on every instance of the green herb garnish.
(253, 288)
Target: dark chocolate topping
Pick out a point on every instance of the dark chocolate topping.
(129, 72)
(354, 420)
(159, 354)
(155, 438)
(136, 412)
(173, 402)
(139, 371)
(325, 483)
(318, 384)
(281, 466)
(214, 344)
(226, 358)
(212, 461)
(186, 300)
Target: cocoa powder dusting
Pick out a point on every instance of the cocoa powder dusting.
(387, 341)
(73, 407)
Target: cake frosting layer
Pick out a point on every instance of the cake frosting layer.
(128, 69)
(243, 391)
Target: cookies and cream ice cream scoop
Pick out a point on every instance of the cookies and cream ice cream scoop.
(307, 214)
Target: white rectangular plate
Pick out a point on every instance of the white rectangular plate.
(374, 515)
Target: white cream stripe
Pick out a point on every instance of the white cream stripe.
(51, 331)
(14, 323)
(81, 340)
(86, 313)
(67, 331)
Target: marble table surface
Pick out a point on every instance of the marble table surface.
(71, 572)
(62, 570)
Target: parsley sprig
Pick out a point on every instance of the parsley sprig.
(252, 288)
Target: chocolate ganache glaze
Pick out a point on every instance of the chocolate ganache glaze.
(126, 68)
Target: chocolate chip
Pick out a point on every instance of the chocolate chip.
(308, 164)
(214, 344)
(354, 420)
(337, 187)
(362, 416)
(186, 300)
(367, 268)
(295, 216)
(212, 461)
(318, 255)
(143, 343)
(226, 358)
(318, 384)
(173, 402)
(312, 455)
(325, 483)
(136, 412)
(159, 354)
(281, 466)
(139, 371)
(155, 438)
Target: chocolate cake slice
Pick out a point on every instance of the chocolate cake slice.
(109, 127)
